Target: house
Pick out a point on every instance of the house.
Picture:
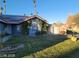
(63, 29)
(58, 28)
(55, 28)
(15, 24)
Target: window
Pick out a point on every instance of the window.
(18, 27)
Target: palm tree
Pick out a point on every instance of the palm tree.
(4, 1)
(1, 9)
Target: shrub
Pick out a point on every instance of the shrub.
(14, 40)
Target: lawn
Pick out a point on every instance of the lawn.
(64, 49)
(34, 44)
(51, 46)
(58, 46)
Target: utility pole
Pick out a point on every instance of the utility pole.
(35, 9)
(4, 1)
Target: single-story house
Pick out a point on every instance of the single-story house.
(55, 28)
(58, 28)
(15, 24)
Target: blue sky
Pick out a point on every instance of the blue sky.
(51, 10)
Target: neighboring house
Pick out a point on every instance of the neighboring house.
(58, 28)
(64, 28)
(14, 24)
(55, 28)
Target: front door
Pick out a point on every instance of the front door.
(33, 29)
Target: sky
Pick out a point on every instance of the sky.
(51, 10)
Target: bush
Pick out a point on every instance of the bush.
(41, 32)
(14, 40)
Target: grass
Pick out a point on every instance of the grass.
(48, 46)
(33, 45)
(63, 49)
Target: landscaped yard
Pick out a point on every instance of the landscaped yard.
(48, 46)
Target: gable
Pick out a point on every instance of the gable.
(36, 17)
